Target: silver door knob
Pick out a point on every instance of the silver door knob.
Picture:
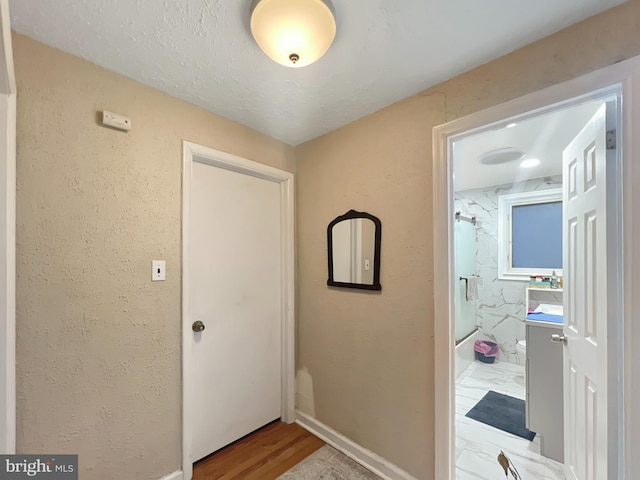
(559, 338)
(197, 326)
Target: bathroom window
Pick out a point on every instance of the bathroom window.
(530, 234)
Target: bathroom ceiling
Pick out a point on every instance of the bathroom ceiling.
(385, 50)
(543, 137)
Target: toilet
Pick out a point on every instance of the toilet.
(521, 351)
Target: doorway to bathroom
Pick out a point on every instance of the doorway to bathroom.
(508, 236)
(592, 300)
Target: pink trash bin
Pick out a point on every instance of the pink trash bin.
(486, 351)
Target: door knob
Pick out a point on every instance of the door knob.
(197, 326)
(559, 338)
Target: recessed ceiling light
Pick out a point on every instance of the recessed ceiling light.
(511, 125)
(530, 163)
(500, 156)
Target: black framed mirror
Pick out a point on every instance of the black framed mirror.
(353, 241)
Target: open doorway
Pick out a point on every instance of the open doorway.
(511, 244)
(622, 269)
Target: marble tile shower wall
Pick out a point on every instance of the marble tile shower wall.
(501, 303)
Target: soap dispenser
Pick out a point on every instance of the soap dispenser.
(554, 280)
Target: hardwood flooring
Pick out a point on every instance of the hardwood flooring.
(262, 455)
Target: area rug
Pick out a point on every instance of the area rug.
(503, 412)
(328, 464)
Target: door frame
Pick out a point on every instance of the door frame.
(623, 78)
(197, 153)
(7, 236)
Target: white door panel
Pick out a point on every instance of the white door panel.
(235, 290)
(585, 311)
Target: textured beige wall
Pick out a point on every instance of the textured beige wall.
(98, 344)
(369, 356)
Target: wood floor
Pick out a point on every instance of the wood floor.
(263, 455)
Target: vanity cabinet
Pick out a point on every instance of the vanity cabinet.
(544, 378)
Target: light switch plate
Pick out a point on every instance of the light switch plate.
(158, 268)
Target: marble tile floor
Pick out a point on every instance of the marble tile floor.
(478, 445)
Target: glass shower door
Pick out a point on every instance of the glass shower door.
(465, 266)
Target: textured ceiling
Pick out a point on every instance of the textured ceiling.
(385, 50)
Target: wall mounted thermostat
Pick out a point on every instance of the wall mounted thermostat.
(114, 120)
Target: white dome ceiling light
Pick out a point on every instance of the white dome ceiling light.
(294, 33)
(501, 156)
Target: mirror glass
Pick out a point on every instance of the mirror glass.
(354, 251)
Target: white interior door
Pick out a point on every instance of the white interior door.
(235, 290)
(585, 306)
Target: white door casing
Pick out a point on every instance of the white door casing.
(7, 237)
(237, 280)
(620, 81)
(585, 309)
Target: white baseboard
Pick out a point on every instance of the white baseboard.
(369, 460)
(174, 476)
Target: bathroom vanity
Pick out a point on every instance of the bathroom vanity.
(544, 368)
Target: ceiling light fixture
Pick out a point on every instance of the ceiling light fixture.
(501, 156)
(294, 33)
(530, 163)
